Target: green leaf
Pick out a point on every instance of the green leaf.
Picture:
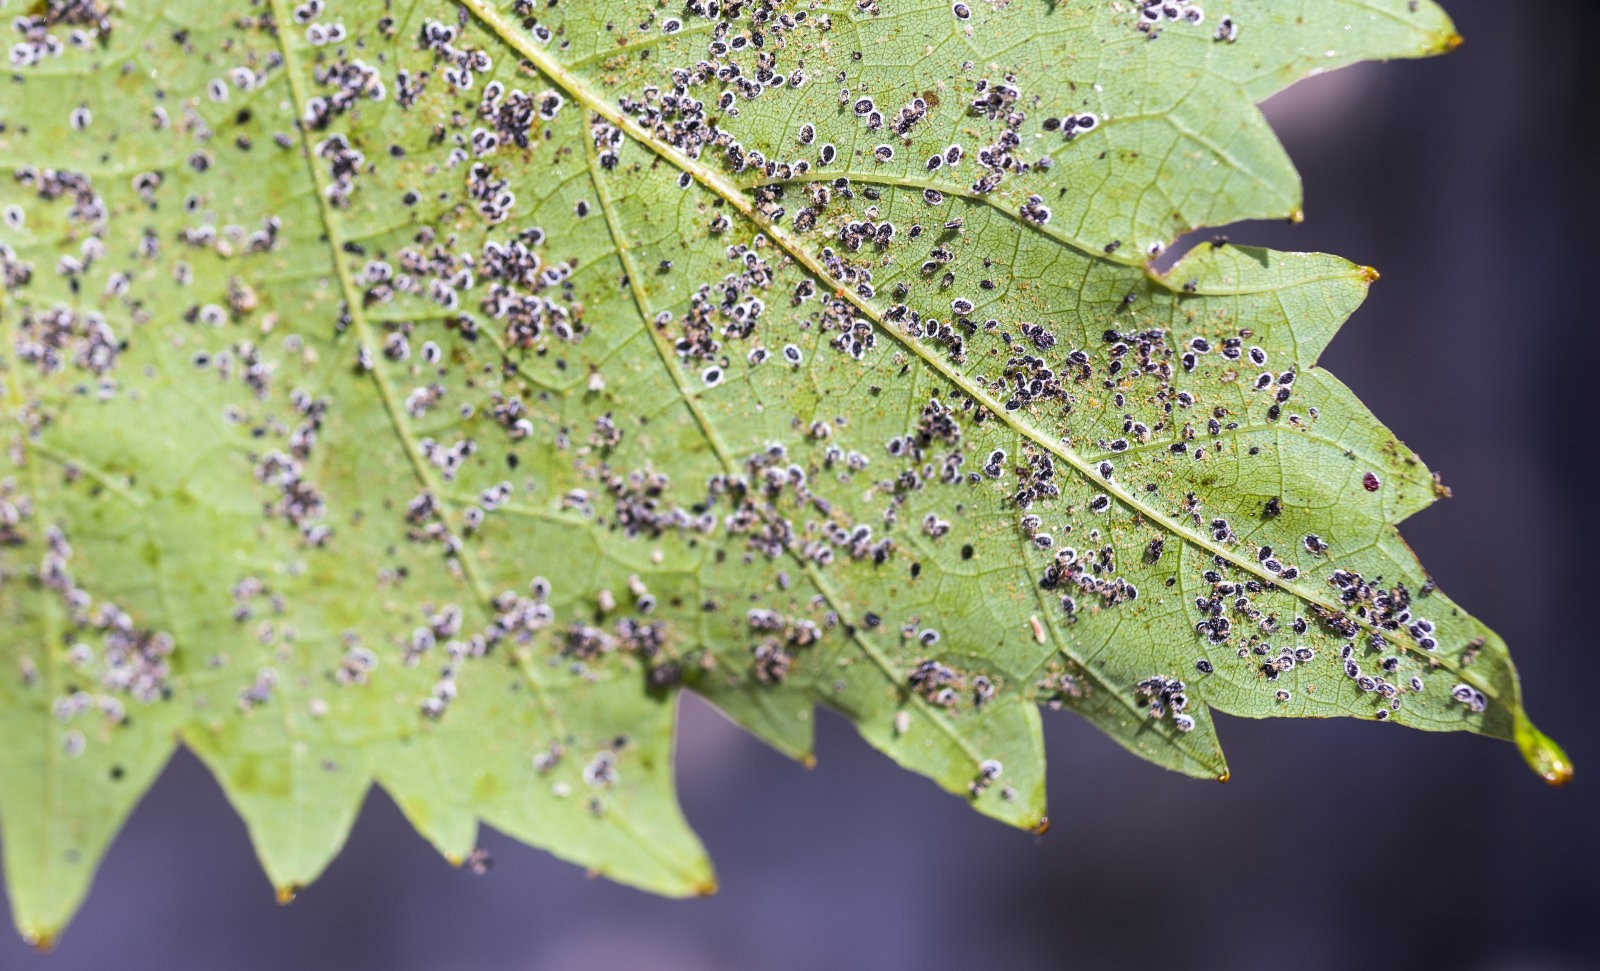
(426, 393)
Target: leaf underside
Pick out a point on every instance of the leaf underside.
(425, 393)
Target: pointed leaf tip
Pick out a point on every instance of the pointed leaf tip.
(1544, 756)
(42, 941)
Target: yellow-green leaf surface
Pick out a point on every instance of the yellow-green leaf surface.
(424, 393)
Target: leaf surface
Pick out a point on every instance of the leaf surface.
(425, 393)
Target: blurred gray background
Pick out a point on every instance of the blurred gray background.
(1468, 181)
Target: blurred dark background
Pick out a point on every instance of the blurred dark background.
(1469, 181)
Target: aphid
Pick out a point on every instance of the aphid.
(1203, 666)
(1469, 696)
(1035, 211)
(602, 770)
(1370, 482)
(1074, 125)
(961, 11)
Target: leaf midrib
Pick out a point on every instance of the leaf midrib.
(729, 192)
(391, 404)
(580, 91)
(352, 298)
